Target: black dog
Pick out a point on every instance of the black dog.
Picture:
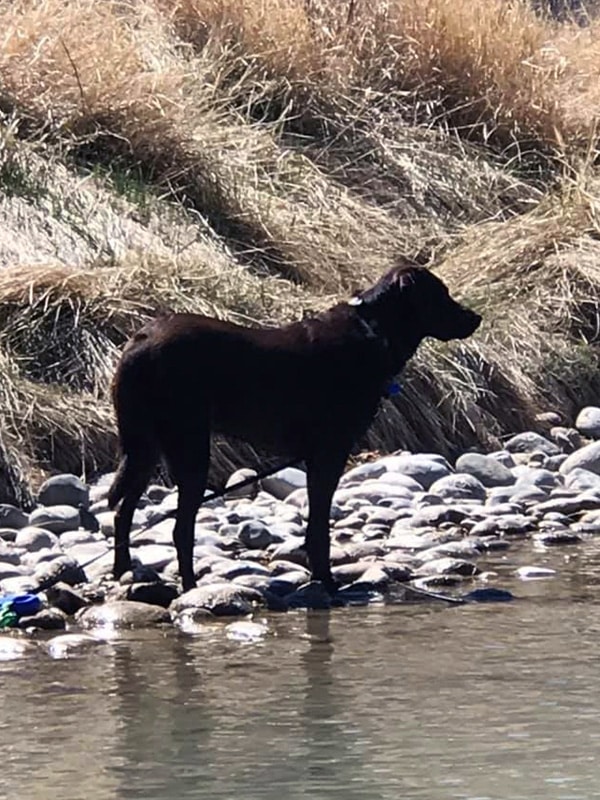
(306, 390)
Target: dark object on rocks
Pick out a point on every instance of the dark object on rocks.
(154, 594)
(311, 595)
(67, 599)
(49, 619)
(307, 391)
(63, 569)
(88, 520)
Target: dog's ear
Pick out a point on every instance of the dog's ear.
(406, 277)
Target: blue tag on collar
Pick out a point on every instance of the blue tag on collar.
(393, 388)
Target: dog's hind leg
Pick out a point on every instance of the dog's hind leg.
(323, 473)
(187, 456)
(132, 478)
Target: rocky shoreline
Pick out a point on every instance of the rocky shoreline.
(406, 527)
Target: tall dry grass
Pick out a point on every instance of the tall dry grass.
(310, 143)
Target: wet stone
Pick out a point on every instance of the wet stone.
(433, 516)
(48, 619)
(221, 599)
(122, 614)
(535, 573)
(557, 537)
(447, 566)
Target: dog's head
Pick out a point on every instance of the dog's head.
(419, 302)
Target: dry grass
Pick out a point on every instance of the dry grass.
(255, 160)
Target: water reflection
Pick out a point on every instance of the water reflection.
(378, 703)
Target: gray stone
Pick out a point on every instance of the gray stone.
(9, 553)
(582, 479)
(20, 584)
(256, 535)
(155, 556)
(72, 538)
(83, 554)
(568, 439)
(12, 517)
(511, 524)
(432, 516)
(290, 550)
(448, 566)
(64, 490)
(566, 505)
(34, 539)
(488, 470)
(12, 570)
(249, 491)
(587, 457)
(459, 485)
(230, 569)
(556, 537)
(281, 484)
(531, 442)
(588, 422)
(156, 493)
(371, 470)
(57, 519)
(122, 614)
(542, 478)
(425, 469)
(222, 599)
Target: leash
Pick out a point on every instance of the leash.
(241, 485)
(206, 499)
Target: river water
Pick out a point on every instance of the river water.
(477, 702)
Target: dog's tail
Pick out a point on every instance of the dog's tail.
(133, 404)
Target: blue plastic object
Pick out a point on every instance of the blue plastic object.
(23, 605)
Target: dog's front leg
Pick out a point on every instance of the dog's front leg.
(323, 473)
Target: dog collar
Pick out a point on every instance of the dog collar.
(393, 389)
